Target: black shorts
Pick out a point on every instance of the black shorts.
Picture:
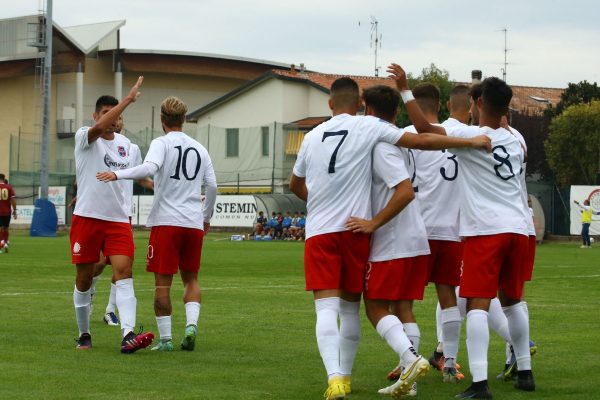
(4, 221)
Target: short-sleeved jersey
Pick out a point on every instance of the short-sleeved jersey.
(438, 190)
(135, 157)
(404, 235)
(490, 187)
(6, 194)
(335, 159)
(184, 167)
(524, 195)
(106, 201)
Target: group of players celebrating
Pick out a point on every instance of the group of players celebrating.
(470, 227)
(179, 218)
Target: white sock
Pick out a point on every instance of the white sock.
(438, 326)
(461, 303)
(164, 327)
(451, 322)
(126, 304)
(81, 301)
(391, 329)
(478, 338)
(518, 325)
(413, 334)
(95, 279)
(112, 299)
(349, 334)
(508, 353)
(192, 313)
(497, 320)
(328, 335)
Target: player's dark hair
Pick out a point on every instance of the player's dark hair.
(428, 97)
(384, 101)
(475, 91)
(344, 92)
(496, 96)
(459, 96)
(2, 177)
(105, 100)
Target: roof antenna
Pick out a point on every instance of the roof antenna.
(376, 39)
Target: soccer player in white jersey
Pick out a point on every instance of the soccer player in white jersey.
(436, 174)
(135, 155)
(494, 224)
(179, 218)
(101, 220)
(332, 173)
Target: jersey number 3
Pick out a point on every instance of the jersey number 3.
(343, 134)
(181, 166)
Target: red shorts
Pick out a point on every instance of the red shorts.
(398, 279)
(173, 247)
(494, 262)
(528, 271)
(336, 261)
(445, 262)
(90, 236)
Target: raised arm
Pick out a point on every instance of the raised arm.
(108, 120)
(412, 107)
(141, 171)
(430, 141)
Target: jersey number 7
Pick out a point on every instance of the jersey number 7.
(343, 134)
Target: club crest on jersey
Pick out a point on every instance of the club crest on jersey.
(122, 151)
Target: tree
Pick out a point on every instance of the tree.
(575, 93)
(440, 78)
(573, 145)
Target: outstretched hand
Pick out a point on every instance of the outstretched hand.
(398, 75)
(107, 176)
(359, 225)
(134, 93)
(483, 142)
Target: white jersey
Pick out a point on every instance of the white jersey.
(184, 167)
(524, 194)
(106, 201)
(135, 157)
(404, 235)
(490, 187)
(335, 159)
(438, 189)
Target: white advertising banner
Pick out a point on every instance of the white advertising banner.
(230, 211)
(24, 215)
(234, 211)
(57, 195)
(135, 211)
(580, 194)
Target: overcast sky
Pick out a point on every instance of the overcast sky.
(550, 42)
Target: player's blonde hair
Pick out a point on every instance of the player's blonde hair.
(173, 111)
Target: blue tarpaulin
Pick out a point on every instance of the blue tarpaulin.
(45, 221)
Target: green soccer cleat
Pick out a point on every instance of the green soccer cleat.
(163, 345)
(189, 340)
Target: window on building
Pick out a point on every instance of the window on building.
(265, 141)
(233, 141)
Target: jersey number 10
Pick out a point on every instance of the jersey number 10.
(182, 166)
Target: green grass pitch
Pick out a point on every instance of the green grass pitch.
(256, 331)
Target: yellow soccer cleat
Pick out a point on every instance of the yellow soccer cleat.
(335, 391)
(347, 382)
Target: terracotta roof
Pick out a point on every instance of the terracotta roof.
(307, 123)
(523, 96)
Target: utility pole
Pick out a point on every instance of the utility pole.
(47, 80)
(375, 40)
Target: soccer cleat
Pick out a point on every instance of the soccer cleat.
(335, 390)
(5, 247)
(111, 319)
(525, 381)
(347, 382)
(189, 339)
(84, 342)
(452, 375)
(532, 348)
(133, 342)
(163, 345)
(510, 370)
(435, 358)
(409, 375)
(394, 374)
(473, 392)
